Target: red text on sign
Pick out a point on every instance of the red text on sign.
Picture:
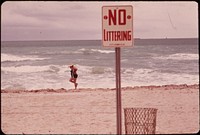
(117, 35)
(117, 17)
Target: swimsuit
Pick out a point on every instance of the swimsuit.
(73, 74)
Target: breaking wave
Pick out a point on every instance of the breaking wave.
(179, 56)
(90, 51)
(17, 58)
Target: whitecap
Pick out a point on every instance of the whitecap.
(179, 56)
(31, 69)
(11, 58)
(103, 51)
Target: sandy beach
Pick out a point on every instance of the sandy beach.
(93, 111)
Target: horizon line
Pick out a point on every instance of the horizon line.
(93, 39)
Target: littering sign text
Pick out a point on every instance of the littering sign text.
(117, 25)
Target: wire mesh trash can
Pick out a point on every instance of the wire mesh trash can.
(140, 120)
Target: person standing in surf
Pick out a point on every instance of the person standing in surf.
(74, 75)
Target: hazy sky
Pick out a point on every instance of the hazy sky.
(65, 20)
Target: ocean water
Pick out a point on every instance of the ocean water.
(44, 64)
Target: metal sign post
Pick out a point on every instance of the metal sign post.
(117, 31)
(118, 90)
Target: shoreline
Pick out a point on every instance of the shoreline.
(63, 90)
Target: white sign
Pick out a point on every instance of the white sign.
(117, 26)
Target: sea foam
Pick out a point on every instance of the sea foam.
(13, 58)
(179, 56)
